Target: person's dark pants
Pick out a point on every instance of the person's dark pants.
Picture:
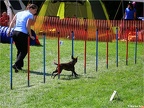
(21, 43)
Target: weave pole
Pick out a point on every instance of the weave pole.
(127, 47)
(117, 47)
(85, 51)
(96, 49)
(44, 73)
(107, 49)
(136, 45)
(58, 55)
(28, 61)
(72, 43)
(11, 57)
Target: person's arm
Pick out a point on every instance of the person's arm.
(11, 25)
(28, 25)
(124, 15)
(34, 20)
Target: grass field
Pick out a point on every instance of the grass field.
(90, 90)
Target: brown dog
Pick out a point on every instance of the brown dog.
(66, 66)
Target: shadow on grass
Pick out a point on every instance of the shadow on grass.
(38, 45)
(62, 76)
(118, 99)
(37, 73)
(69, 77)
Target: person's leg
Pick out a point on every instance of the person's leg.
(21, 42)
(17, 44)
(23, 47)
(20, 63)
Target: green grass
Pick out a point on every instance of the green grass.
(90, 90)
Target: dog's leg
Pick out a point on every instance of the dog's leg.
(57, 73)
(75, 73)
(54, 72)
(72, 73)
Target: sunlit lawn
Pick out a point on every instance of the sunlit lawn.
(92, 89)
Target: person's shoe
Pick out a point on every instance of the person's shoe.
(15, 68)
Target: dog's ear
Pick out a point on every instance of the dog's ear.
(77, 57)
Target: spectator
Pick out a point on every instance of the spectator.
(4, 19)
(130, 12)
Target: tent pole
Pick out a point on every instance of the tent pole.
(117, 10)
(143, 9)
(122, 9)
(76, 8)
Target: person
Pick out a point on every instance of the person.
(4, 19)
(22, 29)
(130, 12)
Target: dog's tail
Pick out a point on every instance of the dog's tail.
(55, 63)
